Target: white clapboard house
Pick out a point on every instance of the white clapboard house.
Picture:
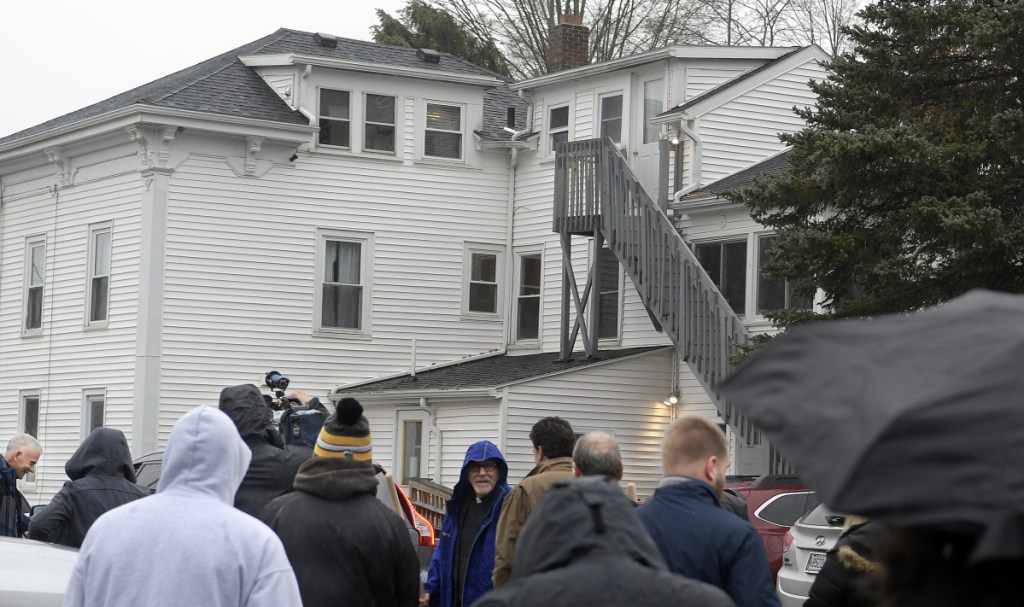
(397, 225)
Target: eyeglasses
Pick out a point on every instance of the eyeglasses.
(488, 466)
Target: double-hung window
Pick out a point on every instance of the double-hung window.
(343, 281)
(335, 118)
(610, 272)
(654, 95)
(726, 265)
(93, 410)
(611, 117)
(35, 281)
(481, 267)
(558, 125)
(528, 297)
(774, 293)
(442, 137)
(379, 127)
(98, 274)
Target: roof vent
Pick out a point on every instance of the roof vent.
(325, 40)
(428, 55)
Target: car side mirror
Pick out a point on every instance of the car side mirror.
(36, 509)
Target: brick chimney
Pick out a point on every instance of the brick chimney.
(567, 44)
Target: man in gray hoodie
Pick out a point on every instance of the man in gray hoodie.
(187, 545)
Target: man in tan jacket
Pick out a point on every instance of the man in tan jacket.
(553, 440)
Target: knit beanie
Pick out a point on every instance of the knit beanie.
(346, 434)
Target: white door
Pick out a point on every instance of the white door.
(649, 101)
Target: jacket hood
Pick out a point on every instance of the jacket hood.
(478, 452)
(577, 518)
(205, 456)
(104, 452)
(245, 406)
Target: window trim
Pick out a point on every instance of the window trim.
(403, 416)
(28, 484)
(468, 250)
(94, 230)
(30, 243)
(517, 272)
(367, 122)
(549, 132)
(365, 240)
(747, 287)
(320, 117)
(622, 114)
(461, 132)
(88, 393)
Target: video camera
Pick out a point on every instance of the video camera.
(279, 383)
(300, 422)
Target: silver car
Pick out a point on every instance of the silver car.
(803, 553)
(35, 573)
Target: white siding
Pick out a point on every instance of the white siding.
(624, 397)
(282, 83)
(66, 358)
(461, 425)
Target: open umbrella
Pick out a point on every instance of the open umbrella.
(912, 418)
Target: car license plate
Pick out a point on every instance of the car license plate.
(815, 562)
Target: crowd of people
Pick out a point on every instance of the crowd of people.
(240, 518)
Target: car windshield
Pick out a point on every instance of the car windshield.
(822, 516)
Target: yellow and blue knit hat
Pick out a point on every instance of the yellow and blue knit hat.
(346, 434)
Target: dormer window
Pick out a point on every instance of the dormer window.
(379, 130)
(442, 137)
(335, 121)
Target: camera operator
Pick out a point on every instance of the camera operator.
(272, 468)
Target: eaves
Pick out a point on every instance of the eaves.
(293, 59)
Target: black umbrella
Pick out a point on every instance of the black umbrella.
(911, 418)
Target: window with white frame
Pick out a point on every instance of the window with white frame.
(558, 125)
(93, 410)
(35, 281)
(335, 118)
(774, 293)
(528, 300)
(611, 289)
(481, 279)
(379, 124)
(98, 274)
(654, 104)
(343, 285)
(442, 137)
(413, 445)
(28, 420)
(611, 117)
(726, 265)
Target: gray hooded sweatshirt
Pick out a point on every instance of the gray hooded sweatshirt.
(186, 545)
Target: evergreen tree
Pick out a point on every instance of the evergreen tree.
(423, 26)
(907, 186)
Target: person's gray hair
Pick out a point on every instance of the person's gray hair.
(597, 454)
(23, 442)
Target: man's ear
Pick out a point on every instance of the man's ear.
(576, 470)
(711, 469)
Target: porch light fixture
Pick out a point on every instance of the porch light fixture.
(673, 137)
(672, 400)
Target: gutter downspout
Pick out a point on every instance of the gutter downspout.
(431, 423)
(689, 129)
(301, 101)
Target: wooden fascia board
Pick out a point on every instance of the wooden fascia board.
(292, 59)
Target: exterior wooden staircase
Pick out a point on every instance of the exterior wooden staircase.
(597, 195)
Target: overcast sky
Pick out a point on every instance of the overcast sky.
(57, 56)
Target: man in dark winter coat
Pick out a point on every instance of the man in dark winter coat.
(849, 577)
(102, 478)
(346, 547)
(23, 451)
(697, 537)
(273, 466)
(583, 545)
(460, 570)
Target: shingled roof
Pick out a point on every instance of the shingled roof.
(489, 372)
(223, 85)
(778, 163)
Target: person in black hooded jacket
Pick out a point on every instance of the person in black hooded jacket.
(102, 478)
(273, 466)
(584, 545)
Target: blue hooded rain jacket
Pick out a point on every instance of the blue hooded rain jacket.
(481, 557)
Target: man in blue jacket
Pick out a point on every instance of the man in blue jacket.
(460, 571)
(697, 537)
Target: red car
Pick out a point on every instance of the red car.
(774, 503)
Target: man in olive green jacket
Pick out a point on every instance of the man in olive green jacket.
(553, 440)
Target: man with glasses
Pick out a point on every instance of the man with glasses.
(460, 570)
